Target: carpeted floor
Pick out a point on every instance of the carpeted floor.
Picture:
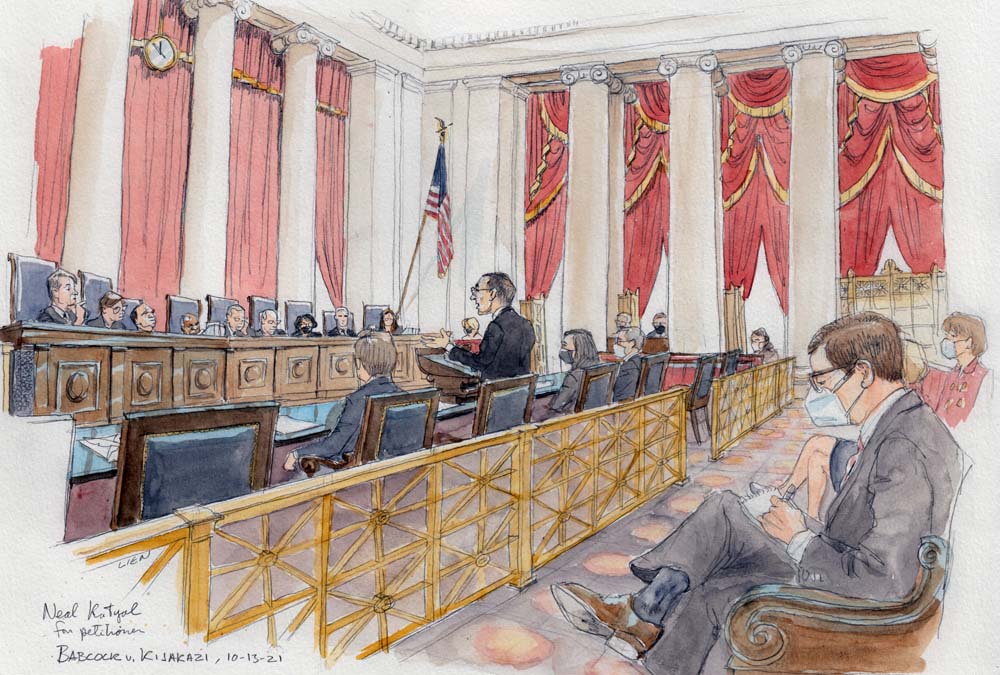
(523, 632)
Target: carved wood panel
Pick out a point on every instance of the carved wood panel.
(337, 370)
(199, 376)
(148, 379)
(296, 370)
(250, 374)
(79, 382)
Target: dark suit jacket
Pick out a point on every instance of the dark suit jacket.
(278, 332)
(565, 399)
(51, 315)
(337, 332)
(98, 322)
(505, 350)
(344, 436)
(298, 333)
(627, 379)
(902, 489)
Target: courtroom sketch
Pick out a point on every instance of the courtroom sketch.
(557, 338)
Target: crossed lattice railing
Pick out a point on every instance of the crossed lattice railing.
(743, 401)
(373, 553)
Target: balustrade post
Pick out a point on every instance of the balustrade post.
(321, 526)
(196, 572)
(521, 484)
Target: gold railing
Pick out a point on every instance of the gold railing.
(743, 401)
(375, 552)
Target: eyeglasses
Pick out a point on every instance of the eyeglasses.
(476, 289)
(814, 383)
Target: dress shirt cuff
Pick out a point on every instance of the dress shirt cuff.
(448, 347)
(797, 545)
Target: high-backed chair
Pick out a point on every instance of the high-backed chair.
(169, 460)
(293, 310)
(177, 307)
(503, 404)
(730, 360)
(373, 315)
(29, 289)
(258, 304)
(655, 345)
(130, 304)
(654, 368)
(330, 320)
(217, 308)
(597, 387)
(790, 629)
(93, 287)
(700, 392)
(393, 425)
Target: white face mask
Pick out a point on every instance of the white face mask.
(825, 409)
(619, 351)
(948, 349)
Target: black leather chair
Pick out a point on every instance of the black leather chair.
(330, 320)
(293, 310)
(730, 361)
(177, 307)
(504, 404)
(29, 292)
(258, 304)
(597, 387)
(654, 368)
(700, 392)
(93, 287)
(372, 315)
(217, 308)
(130, 304)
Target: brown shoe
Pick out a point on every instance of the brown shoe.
(609, 617)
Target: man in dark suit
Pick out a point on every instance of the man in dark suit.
(268, 325)
(627, 346)
(506, 347)
(375, 357)
(111, 309)
(898, 488)
(342, 327)
(63, 296)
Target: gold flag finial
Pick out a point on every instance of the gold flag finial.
(442, 129)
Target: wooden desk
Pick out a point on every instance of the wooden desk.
(99, 375)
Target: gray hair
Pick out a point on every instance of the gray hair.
(502, 284)
(54, 278)
(263, 313)
(233, 308)
(633, 335)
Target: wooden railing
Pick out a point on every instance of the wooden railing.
(743, 401)
(376, 552)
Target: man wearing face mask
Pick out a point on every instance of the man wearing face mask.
(659, 326)
(952, 394)
(627, 347)
(898, 487)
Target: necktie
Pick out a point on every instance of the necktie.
(853, 459)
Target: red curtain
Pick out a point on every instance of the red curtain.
(53, 145)
(756, 148)
(155, 158)
(891, 163)
(647, 186)
(333, 94)
(254, 149)
(544, 189)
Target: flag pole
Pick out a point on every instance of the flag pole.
(442, 131)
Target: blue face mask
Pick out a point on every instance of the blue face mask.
(825, 409)
(948, 349)
(619, 351)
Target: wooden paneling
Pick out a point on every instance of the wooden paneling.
(250, 374)
(148, 379)
(78, 382)
(296, 371)
(199, 377)
(336, 368)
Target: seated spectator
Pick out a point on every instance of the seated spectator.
(899, 488)
(342, 327)
(375, 355)
(112, 311)
(628, 344)
(623, 321)
(268, 325)
(234, 326)
(659, 326)
(952, 394)
(471, 327)
(190, 324)
(389, 323)
(580, 352)
(63, 297)
(760, 342)
(144, 318)
(305, 326)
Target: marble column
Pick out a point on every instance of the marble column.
(813, 195)
(519, 152)
(371, 188)
(586, 252)
(616, 204)
(412, 195)
(206, 204)
(301, 46)
(694, 275)
(93, 219)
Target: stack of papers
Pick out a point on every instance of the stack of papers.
(289, 425)
(106, 447)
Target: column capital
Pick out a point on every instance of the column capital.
(439, 86)
(243, 9)
(411, 83)
(303, 34)
(793, 53)
(486, 82)
(630, 94)
(372, 68)
(670, 63)
(598, 73)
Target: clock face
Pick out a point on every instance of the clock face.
(159, 53)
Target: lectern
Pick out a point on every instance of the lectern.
(457, 382)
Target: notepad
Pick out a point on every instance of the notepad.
(757, 501)
(289, 425)
(105, 446)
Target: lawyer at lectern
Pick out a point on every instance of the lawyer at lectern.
(506, 347)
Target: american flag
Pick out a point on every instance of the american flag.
(439, 208)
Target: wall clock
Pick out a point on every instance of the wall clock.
(159, 53)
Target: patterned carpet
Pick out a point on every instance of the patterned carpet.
(524, 632)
